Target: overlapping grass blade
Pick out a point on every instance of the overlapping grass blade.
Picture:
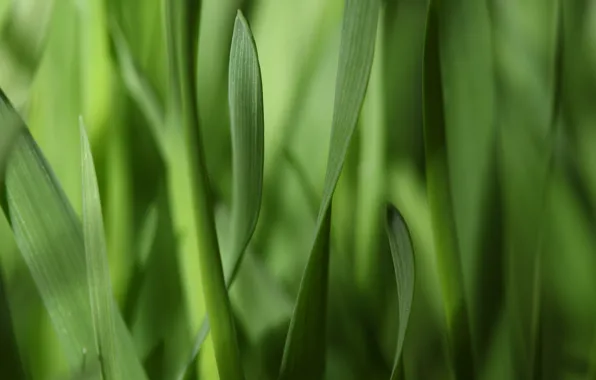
(98, 274)
(182, 26)
(246, 114)
(100, 288)
(440, 201)
(402, 254)
(50, 238)
(304, 353)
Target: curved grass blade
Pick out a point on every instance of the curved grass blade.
(402, 254)
(182, 27)
(304, 353)
(50, 238)
(440, 201)
(246, 115)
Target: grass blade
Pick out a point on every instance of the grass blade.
(50, 239)
(100, 288)
(402, 254)
(246, 114)
(304, 353)
(182, 25)
(440, 201)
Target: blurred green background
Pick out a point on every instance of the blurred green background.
(519, 86)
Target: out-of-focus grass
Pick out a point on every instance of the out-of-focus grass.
(523, 186)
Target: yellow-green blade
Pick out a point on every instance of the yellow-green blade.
(114, 364)
(182, 28)
(304, 353)
(50, 238)
(402, 254)
(100, 289)
(440, 201)
(246, 115)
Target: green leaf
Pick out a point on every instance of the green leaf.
(50, 238)
(182, 27)
(103, 309)
(402, 254)
(440, 201)
(246, 115)
(304, 353)
(100, 288)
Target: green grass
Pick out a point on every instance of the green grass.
(227, 209)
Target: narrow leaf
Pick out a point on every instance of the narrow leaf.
(402, 254)
(50, 238)
(182, 28)
(246, 115)
(440, 201)
(100, 288)
(304, 354)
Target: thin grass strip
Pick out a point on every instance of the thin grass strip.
(50, 238)
(402, 254)
(247, 130)
(304, 353)
(98, 274)
(182, 26)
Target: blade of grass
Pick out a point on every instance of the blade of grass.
(304, 353)
(402, 254)
(182, 26)
(50, 239)
(98, 274)
(246, 115)
(100, 288)
(440, 201)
